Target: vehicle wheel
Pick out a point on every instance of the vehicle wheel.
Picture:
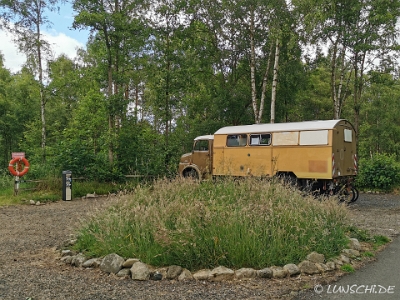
(347, 195)
(191, 174)
(356, 194)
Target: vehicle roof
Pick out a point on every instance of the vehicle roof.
(274, 127)
(204, 137)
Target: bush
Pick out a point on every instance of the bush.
(380, 172)
(249, 223)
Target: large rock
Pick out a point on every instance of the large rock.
(354, 244)
(345, 259)
(351, 253)
(308, 267)
(245, 273)
(66, 253)
(265, 273)
(292, 269)
(129, 262)
(330, 265)
(159, 273)
(140, 271)
(78, 260)
(92, 263)
(202, 274)
(67, 259)
(221, 273)
(279, 272)
(173, 272)
(322, 267)
(124, 272)
(316, 257)
(112, 263)
(185, 275)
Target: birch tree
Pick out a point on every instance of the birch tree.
(357, 33)
(24, 19)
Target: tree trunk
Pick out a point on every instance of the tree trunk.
(42, 92)
(264, 85)
(358, 87)
(253, 71)
(336, 108)
(275, 81)
(258, 111)
(110, 114)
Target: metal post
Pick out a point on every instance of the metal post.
(67, 185)
(16, 185)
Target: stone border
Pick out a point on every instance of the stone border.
(314, 263)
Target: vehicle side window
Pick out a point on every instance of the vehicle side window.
(201, 145)
(236, 140)
(262, 139)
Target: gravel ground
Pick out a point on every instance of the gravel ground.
(30, 268)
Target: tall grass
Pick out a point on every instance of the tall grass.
(249, 223)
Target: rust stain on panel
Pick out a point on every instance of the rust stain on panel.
(318, 166)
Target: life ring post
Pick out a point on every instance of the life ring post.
(15, 166)
(16, 185)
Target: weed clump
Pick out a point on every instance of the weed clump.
(248, 223)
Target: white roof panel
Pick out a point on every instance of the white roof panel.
(204, 137)
(274, 127)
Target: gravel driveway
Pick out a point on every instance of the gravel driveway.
(30, 269)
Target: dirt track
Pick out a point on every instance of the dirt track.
(29, 268)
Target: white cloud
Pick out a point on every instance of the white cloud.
(60, 44)
(13, 59)
(63, 44)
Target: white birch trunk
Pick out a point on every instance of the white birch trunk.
(275, 81)
(252, 72)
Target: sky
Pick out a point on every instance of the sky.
(63, 39)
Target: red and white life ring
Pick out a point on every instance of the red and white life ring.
(16, 172)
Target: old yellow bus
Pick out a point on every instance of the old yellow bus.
(317, 152)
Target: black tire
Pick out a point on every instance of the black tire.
(347, 195)
(191, 174)
(356, 193)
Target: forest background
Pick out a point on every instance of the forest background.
(156, 74)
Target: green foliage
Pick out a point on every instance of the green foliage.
(368, 254)
(380, 240)
(380, 129)
(347, 268)
(133, 101)
(249, 223)
(381, 172)
(359, 234)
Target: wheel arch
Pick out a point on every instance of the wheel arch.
(189, 169)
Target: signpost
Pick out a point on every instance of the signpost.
(18, 155)
(19, 160)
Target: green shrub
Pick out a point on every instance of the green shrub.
(380, 172)
(248, 223)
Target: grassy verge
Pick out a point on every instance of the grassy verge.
(50, 189)
(249, 223)
(363, 235)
